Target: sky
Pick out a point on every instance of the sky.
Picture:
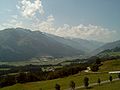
(86, 19)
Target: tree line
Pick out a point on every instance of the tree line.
(36, 74)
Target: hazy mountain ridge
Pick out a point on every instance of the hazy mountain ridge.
(22, 44)
(108, 46)
(77, 43)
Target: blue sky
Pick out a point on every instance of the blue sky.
(58, 16)
(100, 12)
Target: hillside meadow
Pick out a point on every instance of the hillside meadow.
(77, 78)
(64, 82)
(108, 86)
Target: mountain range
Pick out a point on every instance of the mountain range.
(24, 44)
(77, 43)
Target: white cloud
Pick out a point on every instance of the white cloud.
(29, 9)
(12, 24)
(18, 7)
(46, 26)
(90, 32)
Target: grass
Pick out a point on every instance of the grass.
(112, 65)
(64, 82)
(1, 69)
(108, 86)
(78, 79)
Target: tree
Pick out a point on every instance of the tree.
(57, 87)
(119, 75)
(86, 82)
(98, 62)
(21, 77)
(99, 81)
(7, 80)
(72, 85)
(94, 67)
(110, 78)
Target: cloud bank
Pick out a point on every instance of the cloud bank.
(90, 32)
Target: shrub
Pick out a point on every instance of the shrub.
(57, 87)
(72, 85)
(86, 82)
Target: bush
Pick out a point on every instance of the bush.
(99, 81)
(98, 61)
(72, 85)
(94, 67)
(57, 87)
(110, 78)
(7, 81)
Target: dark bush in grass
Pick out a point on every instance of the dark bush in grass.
(57, 87)
(72, 85)
(86, 82)
(99, 81)
(110, 78)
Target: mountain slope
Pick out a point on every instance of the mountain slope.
(22, 44)
(77, 43)
(115, 52)
(107, 46)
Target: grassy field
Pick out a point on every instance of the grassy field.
(64, 82)
(112, 65)
(4, 69)
(108, 86)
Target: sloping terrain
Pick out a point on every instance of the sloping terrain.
(107, 46)
(81, 44)
(22, 44)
